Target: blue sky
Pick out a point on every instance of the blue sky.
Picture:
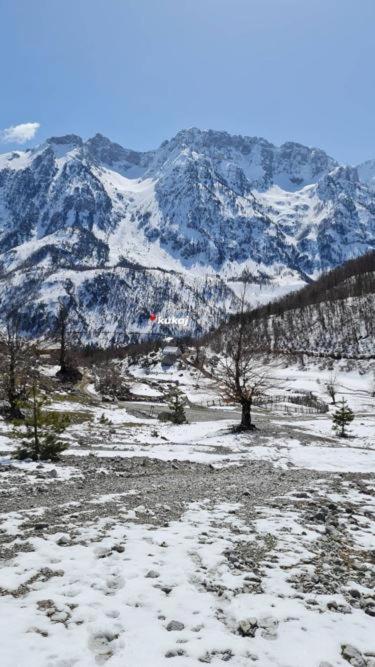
(140, 70)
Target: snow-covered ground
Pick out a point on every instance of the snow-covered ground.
(142, 389)
(257, 553)
(286, 438)
(94, 597)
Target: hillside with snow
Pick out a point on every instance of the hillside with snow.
(334, 316)
(122, 233)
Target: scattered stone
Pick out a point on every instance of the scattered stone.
(174, 626)
(332, 605)
(101, 644)
(152, 574)
(38, 631)
(247, 627)
(225, 656)
(175, 653)
(59, 616)
(102, 552)
(41, 526)
(44, 605)
(268, 622)
(353, 656)
(370, 610)
(269, 627)
(354, 593)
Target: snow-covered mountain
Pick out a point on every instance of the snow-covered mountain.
(123, 233)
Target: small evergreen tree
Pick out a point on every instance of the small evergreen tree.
(341, 418)
(41, 441)
(176, 405)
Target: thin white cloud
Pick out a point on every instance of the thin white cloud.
(19, 134)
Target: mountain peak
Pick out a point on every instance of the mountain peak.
(66, 140)
(195, 137)
(58, 146)
(100, 140)
(108, 152)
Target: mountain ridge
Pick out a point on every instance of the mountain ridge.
(204, 206)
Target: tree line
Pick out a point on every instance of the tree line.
(354, 278)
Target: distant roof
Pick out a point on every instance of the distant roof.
(171, 349)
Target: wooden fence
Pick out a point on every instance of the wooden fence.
(305, 404)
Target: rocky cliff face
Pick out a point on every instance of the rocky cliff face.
(171, 230)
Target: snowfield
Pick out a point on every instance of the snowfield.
(152, 544)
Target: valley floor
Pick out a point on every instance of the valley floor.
(152, 544)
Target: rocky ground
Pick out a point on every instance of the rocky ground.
(300, 537)
(151, 544)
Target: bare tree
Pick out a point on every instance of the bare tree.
(199, 355)
(68, 370)
(62, 323)
(331, 387)
(17, 362)
(239, 374)
(110, 382)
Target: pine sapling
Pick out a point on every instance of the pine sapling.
(341, 418)
(176, 405)
(41, 441)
